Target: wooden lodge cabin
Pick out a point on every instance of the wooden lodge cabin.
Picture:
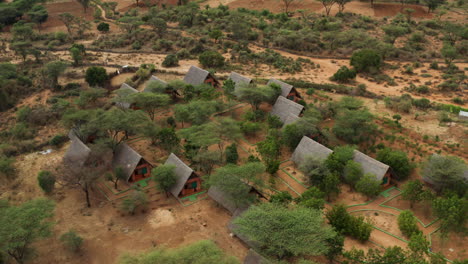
(287, 90)
(286, 110)
(77, 153)
(172, 93)
(382, 171)
(188, 182)
(196, 76)
(239, 80)
(124, 91)
(133, 164)
(307, 147)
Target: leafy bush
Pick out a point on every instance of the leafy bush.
(344, 74)
(250, 128)
(103, 27)
(366, 60)
(231, 154)
(211, 59)
(171, 60)
(72, 241)
(282, 198)
(274, 122)
(6, 166)
(422, 103)
(58, 140)
(397, 160)
(46, 181)
(96, 76)
(407, 223)
(347, 224)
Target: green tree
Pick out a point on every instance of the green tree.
(165, 177)
(203, 251)
(452, 212)
(6, 166)
(21, 226)
(229, 86)
(77, 56)
(315, 170)
(159, 25)
(397, 160)
(256, 96)
(137, 198)
(103, 27)
(418, 244)
(366, 60)
(96, 76)
(53, 70)
(368, 185)
(335, 246)
(330, 185)
(312, 198)
(394, 31)
(150, 102)
(449, 53)
(344, 74)
(352, 173)
(215, 34)
(130, 23)
(445, 172)
(336, 162)
(407, 223)
(413, 192)
(298, 230)
(354, 126)
(231, 154)
(22, 31)
(305, 126)
(38, 14)
(327, 4)
(46, 181)
(341, 4)
(281, 198)
(234, 181)
(117, 175)
(171, 60)
(72, 241)
(207, 159)
(432, 5)
(211, 59)
(22, 48)
(196, 112)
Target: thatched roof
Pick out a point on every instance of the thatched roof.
(285, 87)
(126, 158)
(290, 119)
(254, 258)
(370, 165)
(309, 147)
(77, 152)
(284, 108)
(127, 89)
(182, 172)
(196, 76)
(222, 198)
(155, 79)
(239, 80)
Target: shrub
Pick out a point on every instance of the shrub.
(434, 65)
(274, 122)
(72, 241)
(96, 76)
(211, 59)
(23, 113)
(136, 45)
(272, 166)
(347, 224)
(58, 140)
(407, 223)
(171, 60)
(366, 60)
(424, 89)
(422, 103)
(397, 160)
(61, 36)
(458, 100)
(103, 27)
(344, 74)
(250, 128)
(231, 154)
(46, 181)
(282, 198)
(6, 166)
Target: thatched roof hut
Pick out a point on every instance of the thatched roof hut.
(309, 147)
(370, 165)
(127, 90)
(182, 172)
(197, 76)
(284, 108)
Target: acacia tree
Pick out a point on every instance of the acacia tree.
(150, 102)
(137, 198)
(354, 126)
(53, 70)
(445, 172)
(22, 225)
(341, 4)
(413, 192)
(352, 173)
(452, 212)
(117, 175)
(84, 4)
(327, 4)
(38, 14)
(234, 181)
(256, 96)
(298, 230)
(164, 175)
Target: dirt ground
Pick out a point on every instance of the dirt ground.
(422, 211)
(53, 22)
(453, 246)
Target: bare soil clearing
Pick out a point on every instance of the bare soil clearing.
(53, 22)
(453, 246)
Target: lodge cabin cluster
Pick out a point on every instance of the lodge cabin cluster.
(286, 108)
